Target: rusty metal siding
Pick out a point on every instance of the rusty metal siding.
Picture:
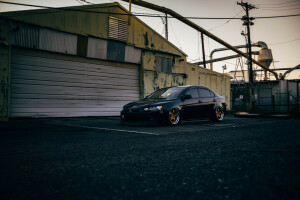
(47, 87)
(25, 35)
(56, 41)
(97, 48)
(133, 55)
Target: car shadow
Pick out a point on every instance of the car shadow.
(155, 124)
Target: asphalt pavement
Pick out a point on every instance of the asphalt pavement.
(97, 158)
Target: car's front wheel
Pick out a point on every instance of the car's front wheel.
(218, 114)
(174, 117)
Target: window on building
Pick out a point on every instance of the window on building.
(163, 65)
(118, 29)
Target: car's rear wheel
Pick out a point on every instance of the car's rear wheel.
(218, 114)
(174, 117)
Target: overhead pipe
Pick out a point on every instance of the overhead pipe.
(224, 58)
(198, 28)
(260, 44)
(289, 71)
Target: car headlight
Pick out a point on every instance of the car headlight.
(154, 108)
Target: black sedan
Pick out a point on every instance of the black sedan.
(174, 104)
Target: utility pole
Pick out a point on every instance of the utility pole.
(166, 26)
(198, 28)
(203, 50)
(248, 22)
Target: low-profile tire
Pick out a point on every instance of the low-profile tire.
(218, 114)
(174, 117)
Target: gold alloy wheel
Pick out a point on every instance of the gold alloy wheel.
(219, 113)
(174, 116)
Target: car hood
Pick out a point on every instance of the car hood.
(147, 102)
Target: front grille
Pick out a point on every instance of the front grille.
(131, 110)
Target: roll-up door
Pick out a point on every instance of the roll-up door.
(49, 87)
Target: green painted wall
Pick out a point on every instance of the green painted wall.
(4, 69)
(96, 24)
(182, 74)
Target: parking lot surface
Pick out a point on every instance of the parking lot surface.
(97, 158)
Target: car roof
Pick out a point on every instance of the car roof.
(188, 86)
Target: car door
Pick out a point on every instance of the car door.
(190, 106)
(206, 101)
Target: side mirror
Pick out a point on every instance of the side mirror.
(186, 96)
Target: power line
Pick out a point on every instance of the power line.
(81, 3)
(139, 14)
(280, 9)
(175, 35)
(285, 42)
(279, 3)
(224, 23)
(280, 6)
(282, 16)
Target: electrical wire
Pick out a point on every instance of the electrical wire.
(138, 14)
(84, 1)
(81, 3)
(280, 9)
(225, 22)
(280, 3)
(282, 16)
(280, 6)
(285, 42)
(175, 35)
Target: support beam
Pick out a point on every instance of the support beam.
(203, 50)
(223, 58)
(166, 27)
(198, 28)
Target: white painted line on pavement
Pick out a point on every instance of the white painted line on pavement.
(109, 129)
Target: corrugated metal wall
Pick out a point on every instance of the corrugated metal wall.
(47, 87)
(56, 41)
(97, 48)
(29, 36)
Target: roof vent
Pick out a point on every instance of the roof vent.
(118, 29)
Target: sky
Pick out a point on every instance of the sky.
(282, 35)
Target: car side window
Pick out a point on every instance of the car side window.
(212, 94)
(204, 93)
(193, 92)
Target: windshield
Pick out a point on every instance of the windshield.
(166, 93)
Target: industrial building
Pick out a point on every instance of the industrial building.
(88, 61)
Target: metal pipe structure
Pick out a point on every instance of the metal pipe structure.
(203, 50)
(224, 58)
(257, 44)
(197, 27)
(289, 71)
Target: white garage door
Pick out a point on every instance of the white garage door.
(47, 87)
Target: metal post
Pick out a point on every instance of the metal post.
(249, 47)
(297, 104)
(166, 27)
(203, 50)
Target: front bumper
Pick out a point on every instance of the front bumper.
(158, 116)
